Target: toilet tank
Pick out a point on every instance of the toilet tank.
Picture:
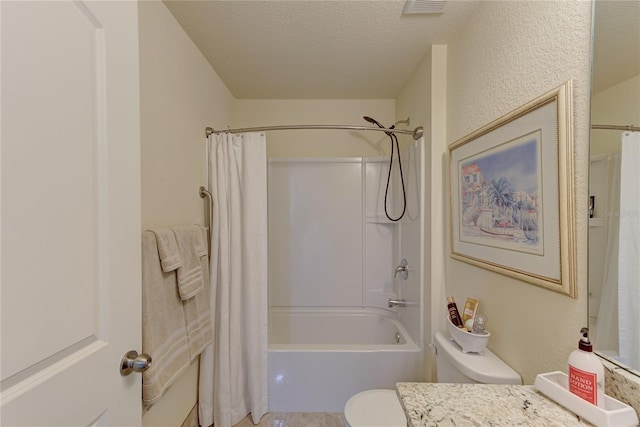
(454, 366)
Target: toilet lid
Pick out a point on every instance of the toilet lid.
(372, 408)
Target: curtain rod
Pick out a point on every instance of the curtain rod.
(616, 127)
(417, 132)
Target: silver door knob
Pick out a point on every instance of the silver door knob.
(134, 362)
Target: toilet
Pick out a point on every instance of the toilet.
(372, 408)
(454, 366)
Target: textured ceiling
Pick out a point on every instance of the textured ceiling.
(305, 49)
(357, 49)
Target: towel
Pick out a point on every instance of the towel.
(164, 331)
(200, 241)
(190, 280)
(197, 310)
(170, 258)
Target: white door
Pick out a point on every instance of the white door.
(70, 213)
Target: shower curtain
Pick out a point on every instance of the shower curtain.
(629, 250)
(233, 369)
(607, 322)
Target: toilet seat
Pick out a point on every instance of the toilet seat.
(375, 408)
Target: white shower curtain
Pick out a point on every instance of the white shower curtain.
(629, 250)
(233, 370)
(604, 337)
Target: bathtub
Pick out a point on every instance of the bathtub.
(319, 357)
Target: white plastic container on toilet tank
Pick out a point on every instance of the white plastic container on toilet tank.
(454, 366)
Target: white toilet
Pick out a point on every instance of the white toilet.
(454, 366)
(372, 408)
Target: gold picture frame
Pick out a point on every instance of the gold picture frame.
(512, 194)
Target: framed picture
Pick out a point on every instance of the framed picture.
(512, 196)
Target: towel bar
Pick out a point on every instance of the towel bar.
(207, 215)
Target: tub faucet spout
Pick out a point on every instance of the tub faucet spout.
(396, 303)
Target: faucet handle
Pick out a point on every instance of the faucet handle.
(403, 269)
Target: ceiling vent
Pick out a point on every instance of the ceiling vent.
(416, 7)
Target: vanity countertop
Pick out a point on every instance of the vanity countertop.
(431, 404)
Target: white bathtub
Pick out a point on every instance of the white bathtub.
(319, 357)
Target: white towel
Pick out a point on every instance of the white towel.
(190, 280)
(164, 331)
(197, 311)
(200, 241)
(170, 258)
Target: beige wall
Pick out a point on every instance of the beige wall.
(509, 54)
(180, 95)
(423, 98)
(319, 143)
(617, 105)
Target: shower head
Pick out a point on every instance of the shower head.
(417, 132)
(377, 123)
(374, 121)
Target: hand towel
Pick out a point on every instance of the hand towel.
(197, 311)
(170, 258)
(164, 332)
(190, 280)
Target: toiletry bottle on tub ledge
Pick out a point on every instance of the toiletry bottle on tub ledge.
(586, 372)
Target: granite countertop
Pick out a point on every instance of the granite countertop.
(434, 404)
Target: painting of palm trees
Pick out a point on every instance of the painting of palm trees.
(507, 216)
(500, 191)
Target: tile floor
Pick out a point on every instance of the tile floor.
(297, 419)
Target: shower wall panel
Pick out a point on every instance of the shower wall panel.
(381, 235)
(315, 232)
(330, 242)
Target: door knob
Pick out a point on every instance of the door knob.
(134, 362)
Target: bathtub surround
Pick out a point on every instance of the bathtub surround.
(334, 245)
(233, 370)
(334, 249)
(315, 220)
